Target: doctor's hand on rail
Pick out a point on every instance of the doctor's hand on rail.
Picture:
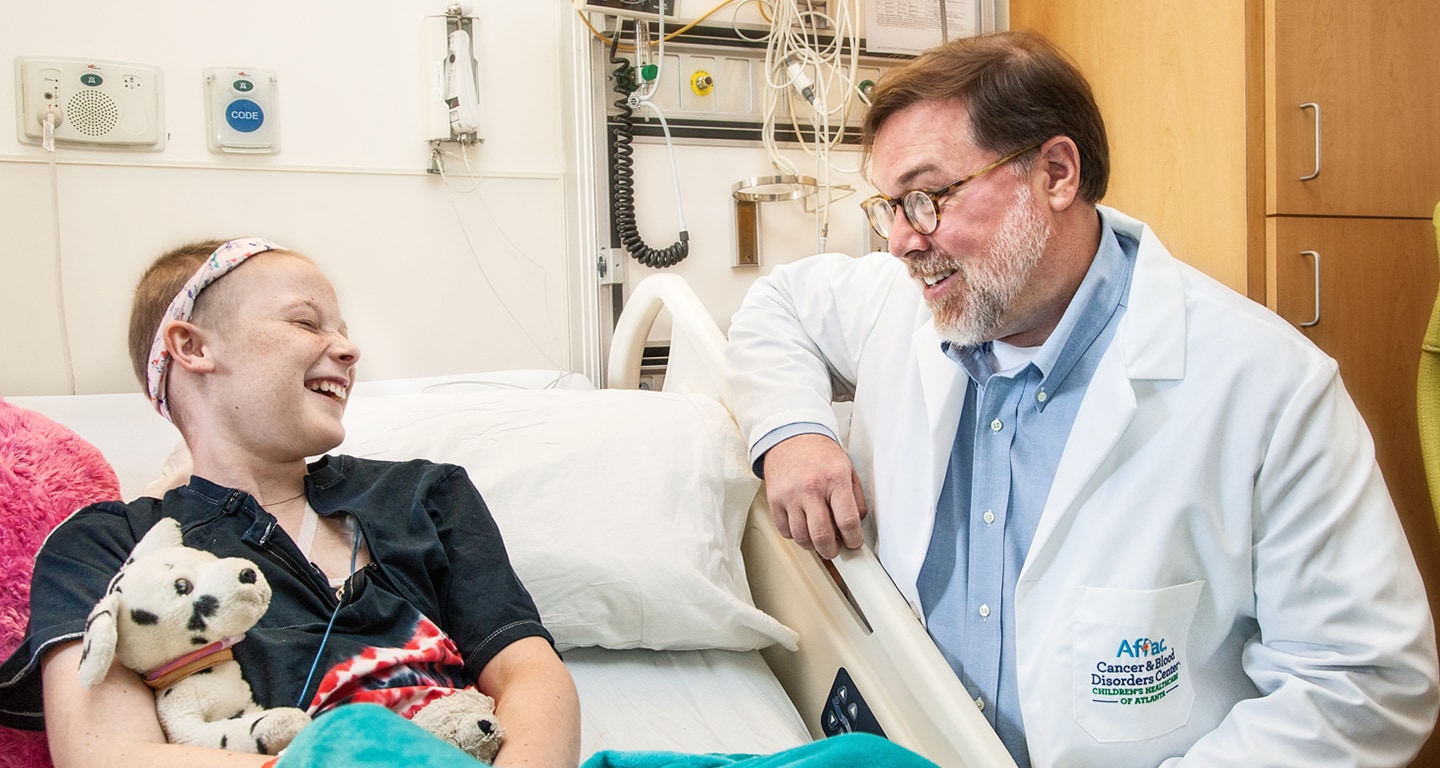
(814, 494)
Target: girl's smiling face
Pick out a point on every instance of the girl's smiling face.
(284, 365)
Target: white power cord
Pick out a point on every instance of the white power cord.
(792, 54)
(52, 120)
(474, 188)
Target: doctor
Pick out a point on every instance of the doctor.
(1139, 513)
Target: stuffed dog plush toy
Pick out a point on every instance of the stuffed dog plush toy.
(172, 611)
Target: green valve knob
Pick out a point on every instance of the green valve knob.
(649, 72)
(866, 86)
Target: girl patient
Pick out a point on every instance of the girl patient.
(242, 345)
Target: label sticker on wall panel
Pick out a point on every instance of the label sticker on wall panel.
(89, 103)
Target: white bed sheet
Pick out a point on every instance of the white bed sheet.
(684, 701)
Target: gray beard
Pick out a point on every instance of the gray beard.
(996, 280)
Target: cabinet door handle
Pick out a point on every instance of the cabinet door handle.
(1316, 255)
(1316, 107)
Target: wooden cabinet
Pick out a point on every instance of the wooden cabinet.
(1371, 71)
(1372, 317)
(1210, 141)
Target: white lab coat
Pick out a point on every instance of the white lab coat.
(1218, 496)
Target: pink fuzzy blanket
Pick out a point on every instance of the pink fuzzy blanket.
(46, 473)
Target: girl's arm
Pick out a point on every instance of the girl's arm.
(536, 703)
(115, 721)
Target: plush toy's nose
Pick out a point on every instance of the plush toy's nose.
(247, 576)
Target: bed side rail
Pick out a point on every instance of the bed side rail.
(850, 616)
(853, 618)
(697, 347)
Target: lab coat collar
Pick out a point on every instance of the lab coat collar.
(1152, 333)
(1151, 339)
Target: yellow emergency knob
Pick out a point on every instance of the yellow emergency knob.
(701, 83)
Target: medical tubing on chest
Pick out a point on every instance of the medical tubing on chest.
(622, 184)
(345, 591)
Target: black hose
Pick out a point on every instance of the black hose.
(622, 178)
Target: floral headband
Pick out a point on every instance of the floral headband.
(225, 258)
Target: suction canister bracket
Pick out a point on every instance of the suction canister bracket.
(748, 195)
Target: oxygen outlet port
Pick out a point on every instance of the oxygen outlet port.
(701, 83)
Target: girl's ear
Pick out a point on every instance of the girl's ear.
(186, 343)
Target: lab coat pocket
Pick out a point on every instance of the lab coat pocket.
(1132, 680)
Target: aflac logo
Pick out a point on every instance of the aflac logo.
(1140, 648)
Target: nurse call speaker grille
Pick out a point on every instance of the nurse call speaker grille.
(92, 103)
(93, 113)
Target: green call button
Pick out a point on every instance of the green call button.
(243, 86)
(91, 79)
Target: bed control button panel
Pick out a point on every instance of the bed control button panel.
(845, 709)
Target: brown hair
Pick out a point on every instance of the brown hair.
(1018, 88)
(153, 294)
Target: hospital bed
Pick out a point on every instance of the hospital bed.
(688, 622)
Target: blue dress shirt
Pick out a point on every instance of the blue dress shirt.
(1012, 430)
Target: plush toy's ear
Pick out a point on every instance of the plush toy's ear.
(162, 535)
(98, 647)
(102, 629)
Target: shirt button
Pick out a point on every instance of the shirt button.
(988, 517)
(984, 611)
(1041, 396)
(996, 425)
(979, 703)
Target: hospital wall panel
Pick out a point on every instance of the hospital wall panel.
(437, 274)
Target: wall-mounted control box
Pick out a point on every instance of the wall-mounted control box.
(452, 105)
(89, 102)
(241, 110)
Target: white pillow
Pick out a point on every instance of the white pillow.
(622, 510)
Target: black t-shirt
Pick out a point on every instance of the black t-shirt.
(437, 602)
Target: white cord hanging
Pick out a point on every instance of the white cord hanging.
(807, 72)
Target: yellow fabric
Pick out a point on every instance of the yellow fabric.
(1428, 392)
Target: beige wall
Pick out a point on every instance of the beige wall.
(1176, 120)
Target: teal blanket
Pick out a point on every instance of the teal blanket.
(854, 749)
(369, 736)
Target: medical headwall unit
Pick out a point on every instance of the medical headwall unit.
(720, 140)
(795, 85)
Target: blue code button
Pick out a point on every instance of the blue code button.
(244, 115)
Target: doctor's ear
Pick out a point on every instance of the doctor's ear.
(186, 343)
(1059, 161)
